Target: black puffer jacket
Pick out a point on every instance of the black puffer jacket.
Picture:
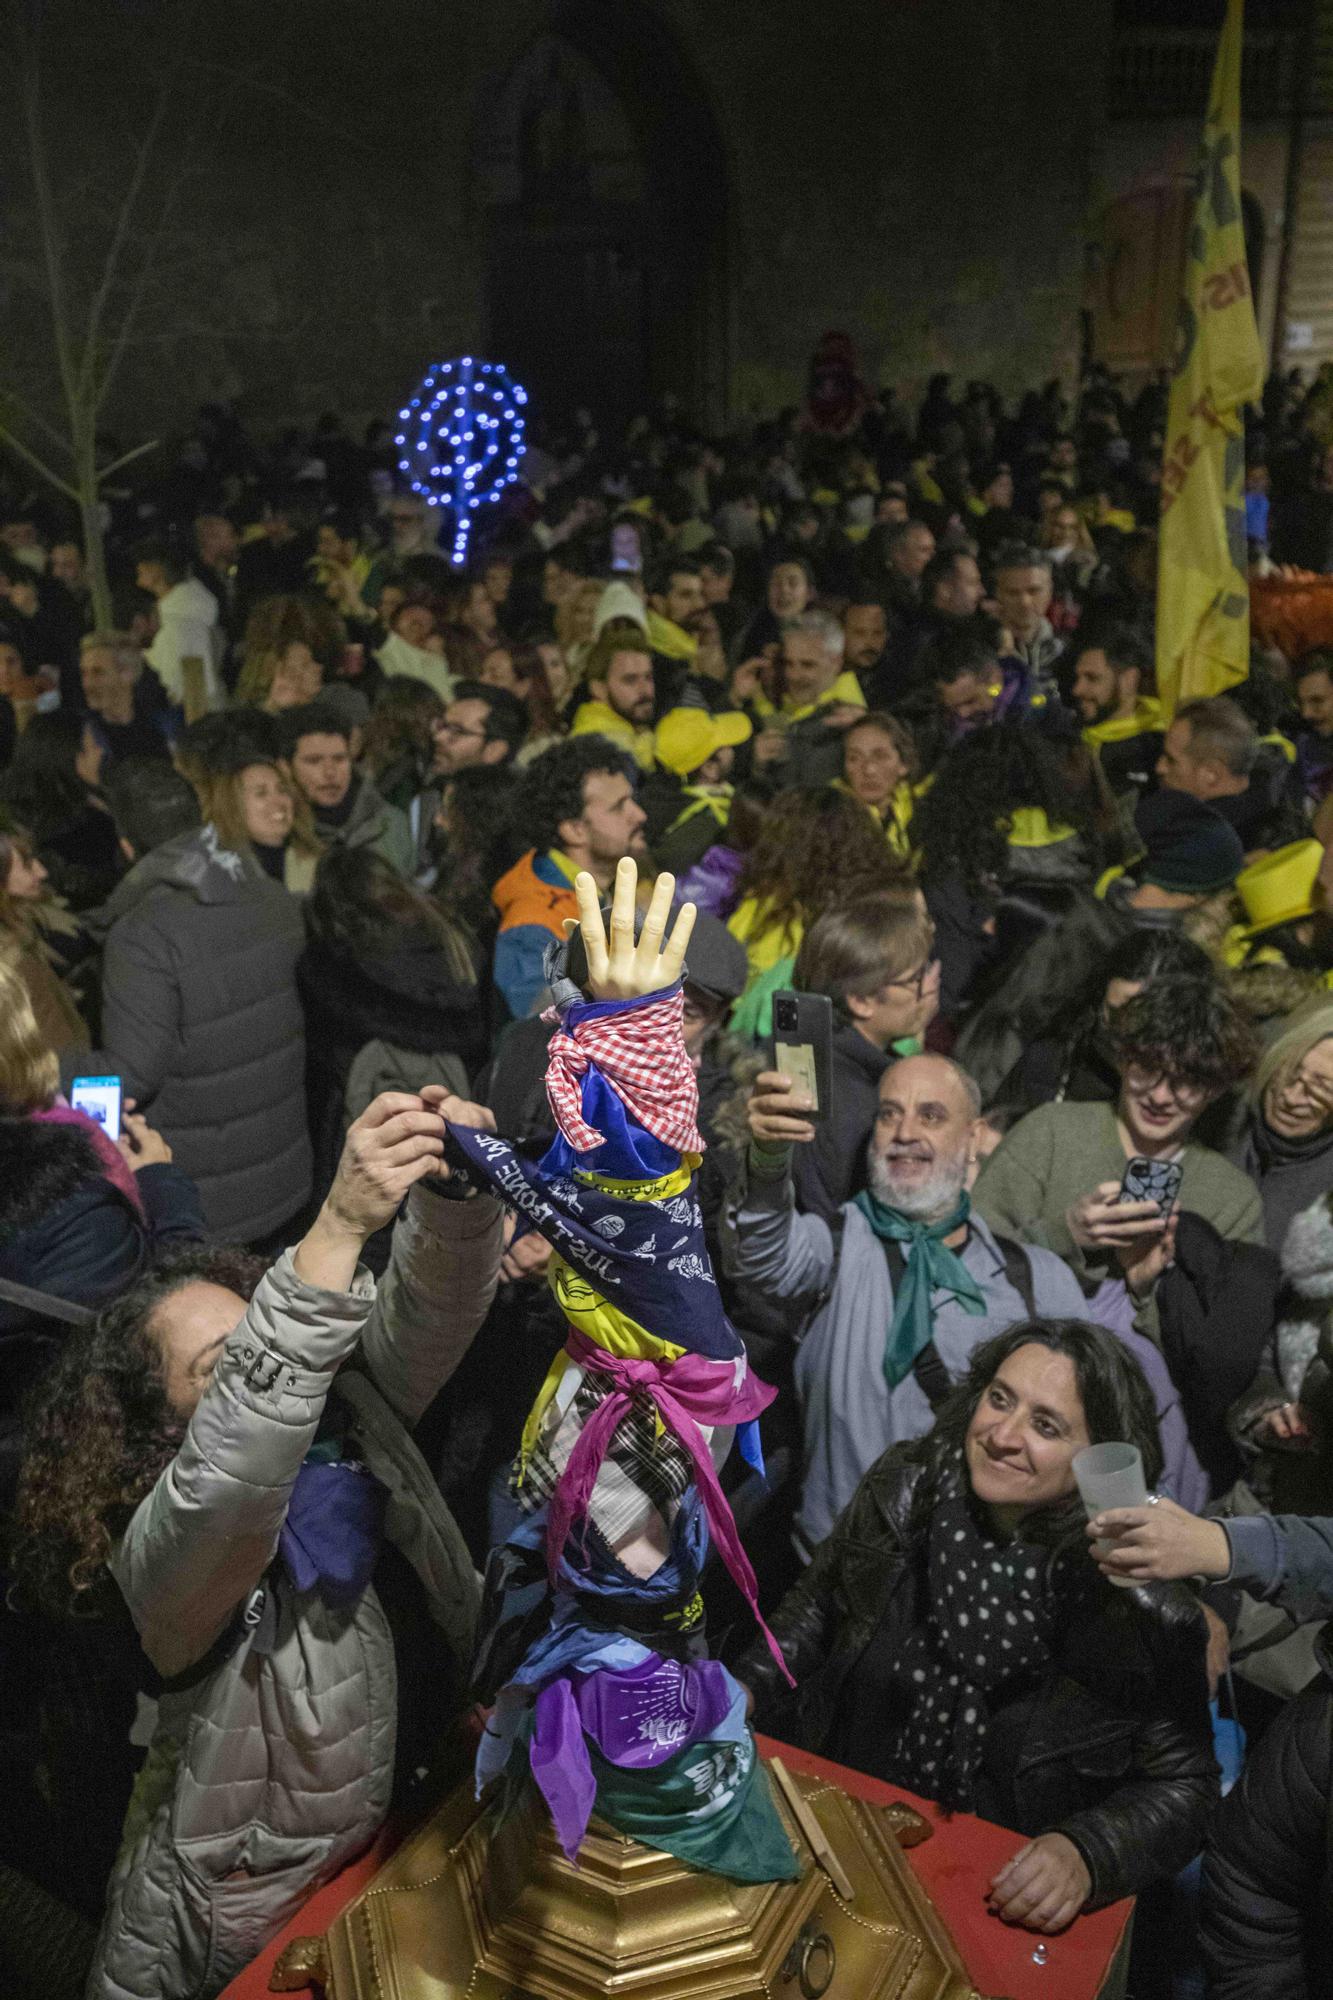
(1266, 1916)
(404, 994)
(66, 1229)
(1116, 1753)
(201, 1017)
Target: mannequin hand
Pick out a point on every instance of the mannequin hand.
(624, 970)
(1044, 1887)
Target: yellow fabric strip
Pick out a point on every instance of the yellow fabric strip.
(658, 1190)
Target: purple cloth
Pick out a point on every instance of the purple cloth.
(330, 1540)
(1183, 1478)
(713, 885)
(639, 1718)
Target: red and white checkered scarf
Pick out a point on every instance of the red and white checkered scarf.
(640, 1050)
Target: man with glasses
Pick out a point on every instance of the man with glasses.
(875, 960)
(481, 725)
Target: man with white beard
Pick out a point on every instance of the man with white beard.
(898, 1290)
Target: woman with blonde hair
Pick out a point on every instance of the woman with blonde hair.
(1287, 1145)
(80, 1215)
(40, 938)
(254, 805)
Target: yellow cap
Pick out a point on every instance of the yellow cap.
(1280, 887)
(685, 738)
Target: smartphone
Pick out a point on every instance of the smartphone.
(803, 1046)
(1152, 1180)
(626, 548)
(98, 1097)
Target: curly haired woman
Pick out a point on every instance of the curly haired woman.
(230, 1450)
(817, 849)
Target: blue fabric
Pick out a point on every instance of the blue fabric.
(330, 1540)
(520, 954)
(647, 1258)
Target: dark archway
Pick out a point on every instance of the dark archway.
(601, 192)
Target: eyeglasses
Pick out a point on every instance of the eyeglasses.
(456, 730)
(915, 982)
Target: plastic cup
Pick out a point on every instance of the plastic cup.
(1110, 1475)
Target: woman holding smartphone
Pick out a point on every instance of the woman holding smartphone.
(80, 1214)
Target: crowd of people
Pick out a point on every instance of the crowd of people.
(288, 843)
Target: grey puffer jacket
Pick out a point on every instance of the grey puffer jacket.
(202, 1019)
(272, 1763)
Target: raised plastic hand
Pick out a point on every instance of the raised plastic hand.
(622, 969)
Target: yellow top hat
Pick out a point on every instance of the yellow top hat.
(1281, 887)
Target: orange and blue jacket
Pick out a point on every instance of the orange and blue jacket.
(533, 899)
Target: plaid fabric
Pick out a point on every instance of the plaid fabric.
(640, 1051)
(644, 1468)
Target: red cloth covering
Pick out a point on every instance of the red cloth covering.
(954, 1867)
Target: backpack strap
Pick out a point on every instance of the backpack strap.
(932, 1377)
(45, 1304)
(1018, 1272)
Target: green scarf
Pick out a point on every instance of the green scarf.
(930, 1267)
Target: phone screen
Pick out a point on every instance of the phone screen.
(626, 549)
(98, 1097)
(797, 1060)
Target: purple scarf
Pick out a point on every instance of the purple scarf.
(330, 1540)
(638, 1719)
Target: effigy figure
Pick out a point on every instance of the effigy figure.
(593, 1651)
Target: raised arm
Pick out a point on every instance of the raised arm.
(200, 1541)
(440, 1282)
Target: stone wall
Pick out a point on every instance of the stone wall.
(916, 171)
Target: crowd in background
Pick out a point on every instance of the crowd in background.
(297, 824)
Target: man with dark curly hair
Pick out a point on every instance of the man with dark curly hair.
(1056, 1179)
(578, 808)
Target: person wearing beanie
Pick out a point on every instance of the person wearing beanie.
(1189, 853)
(688, 796)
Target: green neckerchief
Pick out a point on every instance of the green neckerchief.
(930, 1267)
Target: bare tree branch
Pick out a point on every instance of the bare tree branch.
(21, 450)
(126, 457)
(50, 225)
(34, 417)
(124, 220)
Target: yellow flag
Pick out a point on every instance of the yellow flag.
(1203, 598)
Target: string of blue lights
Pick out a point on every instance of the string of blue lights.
(462, 439)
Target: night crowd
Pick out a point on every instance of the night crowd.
(286, 841)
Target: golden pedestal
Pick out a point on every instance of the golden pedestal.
(462, 1913)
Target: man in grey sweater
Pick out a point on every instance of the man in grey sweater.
(898, 1291)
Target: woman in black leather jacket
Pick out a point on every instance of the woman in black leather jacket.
(952, 1635)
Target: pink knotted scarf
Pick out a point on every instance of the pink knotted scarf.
(687, 1392)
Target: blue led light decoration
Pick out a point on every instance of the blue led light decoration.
(461, 437)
